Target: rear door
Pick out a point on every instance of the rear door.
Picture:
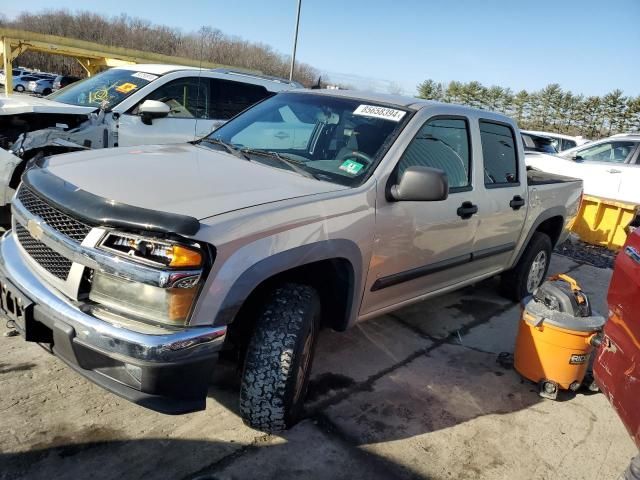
(423, 247)
(603, 165)
(502, 204)
(189, 100)
(630, 179)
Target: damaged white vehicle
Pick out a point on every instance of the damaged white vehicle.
(124, 106)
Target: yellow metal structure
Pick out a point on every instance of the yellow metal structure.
(92, 56)
(602, 222)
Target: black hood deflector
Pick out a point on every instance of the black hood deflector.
(100, 211)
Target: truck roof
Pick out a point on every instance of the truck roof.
(404, 101)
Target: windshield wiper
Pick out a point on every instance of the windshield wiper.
(292, 164)
(235, 151)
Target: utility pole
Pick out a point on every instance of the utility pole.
(295, 42)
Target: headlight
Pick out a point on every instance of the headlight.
(165, 305)
(171, 304)
(155, 252)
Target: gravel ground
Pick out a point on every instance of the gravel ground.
(580, 251)
(421, 393)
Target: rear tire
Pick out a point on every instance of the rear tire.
(46, 91)
(530, 271)
(19, 88)
(279, 358)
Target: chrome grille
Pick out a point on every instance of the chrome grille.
(53, 217)
(51, 261)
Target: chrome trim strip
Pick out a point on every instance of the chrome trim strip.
(633, 254)
(101, 260)
(98, 334)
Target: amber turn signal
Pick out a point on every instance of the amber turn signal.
(182, 257)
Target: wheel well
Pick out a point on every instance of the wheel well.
(334, 281)
(552, 227)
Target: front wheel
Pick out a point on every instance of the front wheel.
(19, 88)
(279, 358)
(531, 269)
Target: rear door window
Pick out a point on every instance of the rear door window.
(230, 98)
(567, 144)
(499, 154)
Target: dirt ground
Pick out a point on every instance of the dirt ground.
(420, 393)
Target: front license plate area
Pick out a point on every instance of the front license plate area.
(15, 306)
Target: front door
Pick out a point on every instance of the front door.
(422, 247)
(189, 102)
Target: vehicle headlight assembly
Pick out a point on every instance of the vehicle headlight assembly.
(170, 304)
(152, 251)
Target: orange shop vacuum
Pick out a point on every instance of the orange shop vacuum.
(557, 334)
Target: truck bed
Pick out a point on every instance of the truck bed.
(538, 177)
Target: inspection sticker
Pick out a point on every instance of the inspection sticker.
(351, 167)
(144, 76)
(379, 112)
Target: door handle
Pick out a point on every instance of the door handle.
(614, 170)
(467, 210)
(516, 202)
(633, 254)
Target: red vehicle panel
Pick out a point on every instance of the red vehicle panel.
(617, 364)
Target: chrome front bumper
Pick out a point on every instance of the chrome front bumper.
(108, 353)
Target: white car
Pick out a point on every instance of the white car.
(560, 141)
(21, 84)
(610, 168)
(43, 86)
(16, 72)
(129, 105)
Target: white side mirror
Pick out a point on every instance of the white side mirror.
(150, 109)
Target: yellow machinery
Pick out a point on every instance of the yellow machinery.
(555, 336)
(602, 222)
(93, 57)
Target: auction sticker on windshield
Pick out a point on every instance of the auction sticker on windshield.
(126, 87)
(379, 112)
(145, 76)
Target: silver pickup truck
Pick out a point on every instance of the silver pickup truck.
(142, 265)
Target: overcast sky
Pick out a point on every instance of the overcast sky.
(586, 46)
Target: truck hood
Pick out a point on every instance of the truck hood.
(183, 179)
(19, 104)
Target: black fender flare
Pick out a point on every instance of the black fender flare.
(559, 211)
(286, 260)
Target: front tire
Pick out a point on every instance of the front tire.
(19, 88)
(531, 269)
(279, 358)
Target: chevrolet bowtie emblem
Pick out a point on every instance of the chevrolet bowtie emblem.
(34, 229)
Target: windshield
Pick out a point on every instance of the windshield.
(330, 138)
(106, 89)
